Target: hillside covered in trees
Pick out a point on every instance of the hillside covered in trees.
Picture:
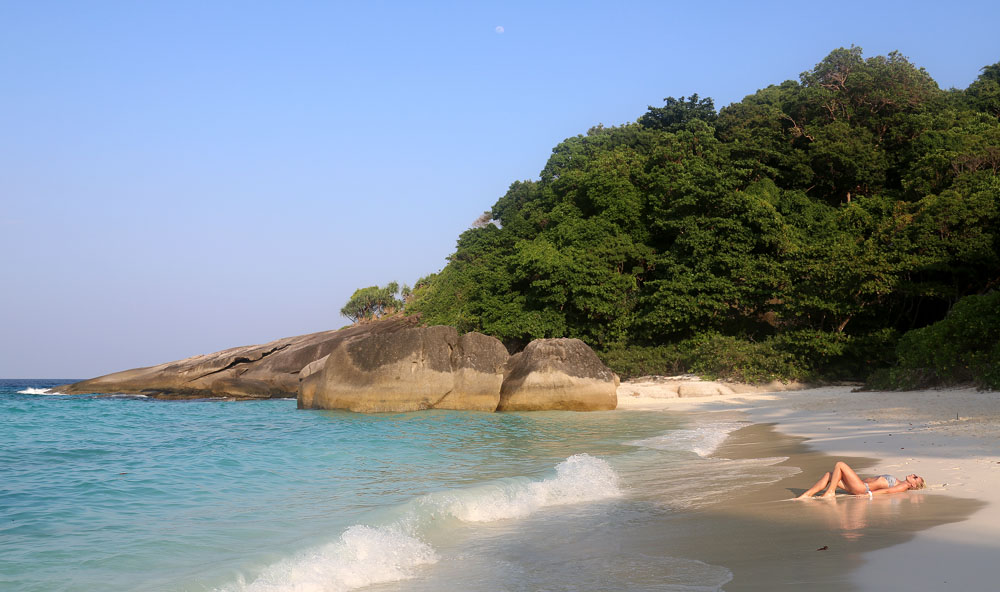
(799, 233)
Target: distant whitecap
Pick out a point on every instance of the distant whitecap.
(38, 391)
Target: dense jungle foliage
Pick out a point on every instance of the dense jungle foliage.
(799, 233)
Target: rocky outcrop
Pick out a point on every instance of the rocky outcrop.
(407, 369)
(263, 371)
(390, 365)
(562, 374)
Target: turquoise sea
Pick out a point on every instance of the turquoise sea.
(128, 493)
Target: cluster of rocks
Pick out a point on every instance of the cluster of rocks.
(436, 368)
(393, 365)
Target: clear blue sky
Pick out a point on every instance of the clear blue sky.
(181, 177)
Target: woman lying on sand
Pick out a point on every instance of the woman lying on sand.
(844, 477)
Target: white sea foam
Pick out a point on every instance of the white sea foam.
(703, 439)
(364, 555)
(580, 478)
(38, 391)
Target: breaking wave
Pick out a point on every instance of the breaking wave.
(366, 555)
(38, 391)
(702, 440)
(580, 478)
(362, 556)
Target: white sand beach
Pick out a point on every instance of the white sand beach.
(949, 436)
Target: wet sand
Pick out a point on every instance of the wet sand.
(945, 537)
(772, 542)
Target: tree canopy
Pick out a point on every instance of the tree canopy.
(373, 302)
(827, 215)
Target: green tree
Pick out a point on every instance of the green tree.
(373, 302)
(809, 224)
(964, 346)
(984, 93)
(675, 113)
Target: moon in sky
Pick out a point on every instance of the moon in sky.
(499, 29)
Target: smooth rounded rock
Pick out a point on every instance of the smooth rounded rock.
(408, 369)
(557, 374)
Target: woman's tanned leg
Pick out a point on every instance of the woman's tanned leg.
(844, 475)
(815, 488)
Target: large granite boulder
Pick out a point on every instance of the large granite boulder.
(560, 374)
(263, 371)
(388, 365)
(407, 369)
